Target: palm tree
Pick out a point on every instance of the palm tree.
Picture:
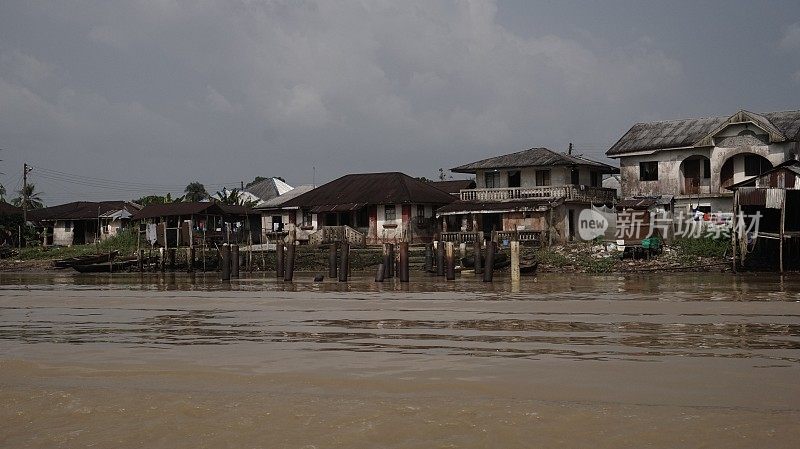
(195, 191)
(233, 197)
(34, 200)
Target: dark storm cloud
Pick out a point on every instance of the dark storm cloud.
(218, 91)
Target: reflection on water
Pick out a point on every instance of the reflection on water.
(743, 325)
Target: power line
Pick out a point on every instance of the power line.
(103, 182)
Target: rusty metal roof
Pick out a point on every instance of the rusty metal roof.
(81, 210)
(534, 157)
(692, 131)
(176, 209)
(372, 188)
(752, 196)
(644, 202)
(463, 207)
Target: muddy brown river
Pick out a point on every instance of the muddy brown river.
(173, 361)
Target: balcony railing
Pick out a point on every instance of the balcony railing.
(570, 192)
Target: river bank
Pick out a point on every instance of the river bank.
(569, 258)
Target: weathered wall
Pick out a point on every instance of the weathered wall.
(559, 176)
(61, 236)
(729, 145)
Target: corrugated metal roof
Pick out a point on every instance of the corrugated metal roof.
(454, 186)
(268, 188)
(752, 196)
(176, 209)
(688, 132)
(81, 210)
(372, 188)
(278, 201)
(534, 157)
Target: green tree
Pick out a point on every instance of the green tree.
(2, 193)
(194, 192)
(233, 197)
(34, 201)
(154, 199)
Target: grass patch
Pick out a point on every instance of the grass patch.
(701, 247)
(552, 258)
(124, 242)
(597, 265)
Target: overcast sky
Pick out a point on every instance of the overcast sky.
(164, 92)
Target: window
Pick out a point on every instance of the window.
(542, 177)
(594, 179)
(308, 219)
(67, 226)
(648, 171)
(575, 176)
(514, 179)
(492, 180)
(420, 211)
(389, 213)
(706, 169)
(755, 165)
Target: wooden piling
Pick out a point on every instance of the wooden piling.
(279, 268)
(235, 261)
(140, 262)
(476, 251)
(404, 275)
(387, 261)
(428, 257)
(440, 258)
(344, 262)
(380, 273)
(514, 260)
(782, 230)
(172, 255)
(488, 271)
(451, 262)
(225, 262)
(190, 259)
(289, 266)
(162, 259)
(332, 261)
(392, 262)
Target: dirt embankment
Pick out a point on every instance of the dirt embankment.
(570, 258)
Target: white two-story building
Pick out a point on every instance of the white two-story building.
(695, 160)
(536, 190)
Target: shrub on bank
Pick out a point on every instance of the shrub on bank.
(124, 242)
(702, 246)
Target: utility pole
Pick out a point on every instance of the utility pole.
(569, 151)
(25, 171)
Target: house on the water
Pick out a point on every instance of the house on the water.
(195, 223)
(696, 159)
(768, 205)
(82, 222)
(539, 191)
(378, 207)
